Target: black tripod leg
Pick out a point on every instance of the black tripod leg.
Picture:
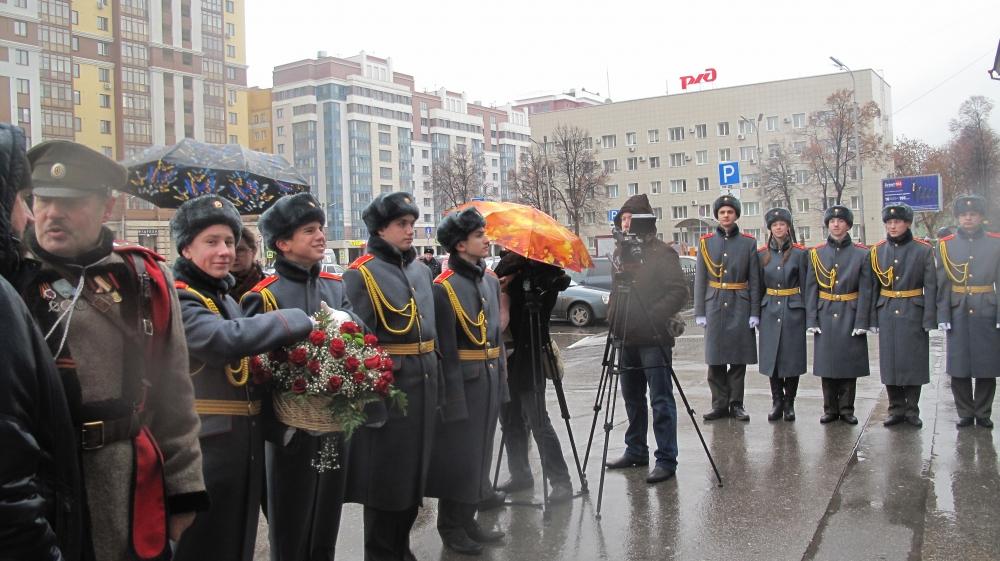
(564, 409)
(534, 329)
(609, 415)
(496, 473)
(694, 421)
(603, 384)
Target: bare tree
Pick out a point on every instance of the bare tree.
(830, 151)
(458, 178)
(976, 148)
(778, 177)
(531, 181)
(579, 180)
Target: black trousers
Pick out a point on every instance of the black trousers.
(838, 395)
(784, 389)
(976, 403)
(521, 416)
(903, 400)
(454, 516)
(726, 383)
(387, 534)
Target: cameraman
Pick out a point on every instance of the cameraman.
(520, 280)
(658, 292)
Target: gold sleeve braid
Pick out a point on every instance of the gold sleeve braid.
(951, 268)
(885, 278)
(821, 272)
(714, 269)
(239, 375)
(380, 303)
(463, 318)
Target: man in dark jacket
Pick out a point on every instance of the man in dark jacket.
(40, 483)
(657, 293)
(432, 263)
(727, 304)
(391, 293)
(303, 505)
(467, 307)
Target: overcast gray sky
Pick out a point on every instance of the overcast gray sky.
(934, 54)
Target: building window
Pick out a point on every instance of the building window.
(281, 131)
(279, 113)
(678, 186)
(799, 146)
(679, 212)
(724, 155)
(772, 123)
(230, 73)
(701, 131)
(704, 211)
(610, 166)
(104, 74)
(230, 6)
(384, 138)
(105, 127)
(234, 118)
(385, 173)
(74, 17)
(701, 156)
(76, 97)
(703, 184)
(654, 162)
(630, 139)
(746, 127)
(76, 70)
(21, 57)
(231, 51)
(281, 148)
(723, 128)
(385, 156)
(77, 124)
(676, 134)
(108, 151)
(802, 176)
(655, 187)
(677, 160)
(609, 141)
(746, 152)
(24, 86)
(750, 181)
(20, 28)
(751, 208)
(612, 191)
(805, 234)
(633, 189)
(802, 205)
(102, 23)
(233, 139)
(658, 212)
(74, 43)
(103, 48)
(632, 164)
(755, 232)
(855, 202)
(653, 135)
(773, 150)
(799, 120)
(230, 30)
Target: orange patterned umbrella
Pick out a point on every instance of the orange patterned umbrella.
(530, 232)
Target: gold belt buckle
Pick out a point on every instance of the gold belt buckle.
(724, 285)
(87, 427)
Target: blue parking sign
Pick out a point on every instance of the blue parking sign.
(611, 215)
(729, 173)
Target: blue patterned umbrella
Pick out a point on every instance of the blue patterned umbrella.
(169, 175)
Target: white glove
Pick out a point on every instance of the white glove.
(857, 332)
(947, 326)
(813, 330)
(339, 315)
(287, 437)
(754, 322)
(873, 330)
(702, 321)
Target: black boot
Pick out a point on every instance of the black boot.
(791, 388)
(777, 398)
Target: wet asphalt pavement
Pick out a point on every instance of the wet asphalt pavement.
(791, 491)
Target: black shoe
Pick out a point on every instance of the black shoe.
(561, 493)
(893, 420)
(984, 422)
(849, 419)
(789, 411)
(460, 542)
(478, 534)
(738, 413)
(777, 410)
(513, 484)
(626, 462)
(659, 474)
(828, 418)
(715, 414)
(914, 420)
(496, 499)
(964, 422)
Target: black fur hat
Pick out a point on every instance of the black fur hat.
(201, 212)
(778, 213)
(280, 221)
(457, 226)
(838, 211)
(727, 200)
(969, 203)
(387, 207)
(901, 211)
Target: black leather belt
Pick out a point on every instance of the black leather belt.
(94, 435)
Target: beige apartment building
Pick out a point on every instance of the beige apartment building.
(670, 148)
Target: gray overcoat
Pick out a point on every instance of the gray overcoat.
(837, 353)
(473, 389)
(388, 464)
(782, 331)
(728, 337)
(903, 323)
(974, 340)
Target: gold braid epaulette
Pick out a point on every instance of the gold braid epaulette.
(463, 318)
(949, 265)
(380, 303)
(820, 270)
(238, 376)
(714, 269)
(885, 278)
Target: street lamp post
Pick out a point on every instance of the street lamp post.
(857, 145)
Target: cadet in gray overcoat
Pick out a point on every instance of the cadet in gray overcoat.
(782, 337)
(968, 273)
(467, 308)
(303, 504)
(838, 314)
(727, 304)
(206, 231)
(391, 292)
(905, 312)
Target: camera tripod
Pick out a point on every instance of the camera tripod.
(607, 389)
(540, 359)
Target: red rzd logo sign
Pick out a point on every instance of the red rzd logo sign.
(708, 76)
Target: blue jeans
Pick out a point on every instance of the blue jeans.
(656, 375)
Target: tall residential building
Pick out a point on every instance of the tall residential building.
(549, 102)
(259, 115)
(670, 148)
(356, 127)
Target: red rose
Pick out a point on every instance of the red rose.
(359, 377)
(334, 383)
(371, 340)
(337, 347)
(351, 363)
(373, 362)
(387, 363)
(350, 328)
(313, 367)
(280, 355)
(381, 387)
(261, 376)
(317, 337)
(387, 377)
(256, 363)
(298, 356)
(299, 385)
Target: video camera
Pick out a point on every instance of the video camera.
(630, 242)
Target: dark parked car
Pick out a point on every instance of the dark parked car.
(688, 265)
(598, 276)
(581, 305)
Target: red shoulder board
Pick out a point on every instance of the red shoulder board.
(361, 261)
(950, 236)
(879, 243)
(761, 248)
(798, 246)
(708, 235)
(488, 272)
(993, 234)
(445, 275)
(331, 276)
(819, 245)
(128, 247)
(861, 245)
(264, 283)
(754, 238)
(920, 241)
(180, 285)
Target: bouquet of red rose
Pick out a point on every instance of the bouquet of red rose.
(323, 384)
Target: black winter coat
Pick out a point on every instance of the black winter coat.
(658, 292)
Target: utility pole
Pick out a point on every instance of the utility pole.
(857, 145)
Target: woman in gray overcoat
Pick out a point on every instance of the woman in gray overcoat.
(782, 330)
